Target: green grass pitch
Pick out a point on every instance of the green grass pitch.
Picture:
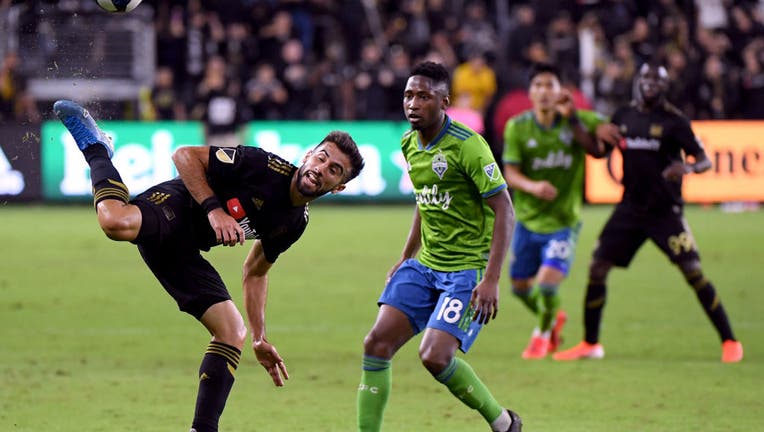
(90, 341)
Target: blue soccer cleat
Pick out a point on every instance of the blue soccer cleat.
(81, 125)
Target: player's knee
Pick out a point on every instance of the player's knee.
(234, 335)
(521, 287)
(690, 268)
(434, 361)
(376, 346)
(598, 271)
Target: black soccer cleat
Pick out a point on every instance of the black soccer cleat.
(517, 423)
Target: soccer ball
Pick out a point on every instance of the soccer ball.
(118, 6)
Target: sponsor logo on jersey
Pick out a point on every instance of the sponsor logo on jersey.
(566, 136)
(226, 155)
(656, 130)
(639, 143)
(554, 159)
(492, 171)
(249, 230)
(235, 209)
(439, 164)
(432, 196)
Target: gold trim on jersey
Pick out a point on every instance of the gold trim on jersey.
(280, 166)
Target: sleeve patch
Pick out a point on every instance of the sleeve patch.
(492, 171)
(226, 155)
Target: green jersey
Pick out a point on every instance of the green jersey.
(452, 176)
(548, 154)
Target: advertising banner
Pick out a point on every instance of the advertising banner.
(19, 163)
(735, 148)
(384, 177)
(143, 155)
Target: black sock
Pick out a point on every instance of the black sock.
(107, 183)
(712, 304)
(216, 376)
(596, 294)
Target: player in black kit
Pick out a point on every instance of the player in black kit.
(653, 135)
(222, 196)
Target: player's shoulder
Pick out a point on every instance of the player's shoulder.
(460, 131)
(673, 111)
(525, 117)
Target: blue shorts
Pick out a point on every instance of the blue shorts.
(531, 250)
(435, 299)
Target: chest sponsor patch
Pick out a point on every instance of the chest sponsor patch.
(226, 155)
(235, 209)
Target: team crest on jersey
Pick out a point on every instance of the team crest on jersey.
(532, 143)
(492, 171)
(439, 164)
(226, 155)
(656, 130)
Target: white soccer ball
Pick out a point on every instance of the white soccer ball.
(118, 6)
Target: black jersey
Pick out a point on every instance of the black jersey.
(651, 141)
(253, 187)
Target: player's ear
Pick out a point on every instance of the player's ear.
(339, 188)
(446, 101)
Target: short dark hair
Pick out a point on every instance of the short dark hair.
(435, 71)
(539, 68)
(347, 146)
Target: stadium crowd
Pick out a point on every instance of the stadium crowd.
(324, 59)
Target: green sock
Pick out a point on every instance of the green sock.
(463, 383)
(373, 392)
(530, 298)
(550, 304)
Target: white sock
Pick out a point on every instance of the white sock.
(502, 422)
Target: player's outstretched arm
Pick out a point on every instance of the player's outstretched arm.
(255, 287)
(485, 296)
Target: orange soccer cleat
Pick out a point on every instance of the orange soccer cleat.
(583, 350)
(555, 338)
(537, 348)
(732, 351)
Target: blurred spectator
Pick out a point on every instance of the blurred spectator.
(266, 95)
(614, 86)
(752, 81)
(218, 105)
(15, 102)
(477, 32)
(371, 83)
(714, 94)
(461, 110)
(166, 103)
(475, 78)
(293, 72)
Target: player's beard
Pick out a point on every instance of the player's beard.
(304, 191)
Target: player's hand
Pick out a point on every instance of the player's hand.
(227, 230)
(608, 133)
(675, 171)
(564, 104)
(485, 301)
(270, 359)
(544, 190)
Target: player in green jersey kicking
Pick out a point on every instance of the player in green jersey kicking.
(544, 154)
(446, 282)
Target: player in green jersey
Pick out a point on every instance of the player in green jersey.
(446, 282)
(544, 156)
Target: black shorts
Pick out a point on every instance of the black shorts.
(626, 231)
(167, 244)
